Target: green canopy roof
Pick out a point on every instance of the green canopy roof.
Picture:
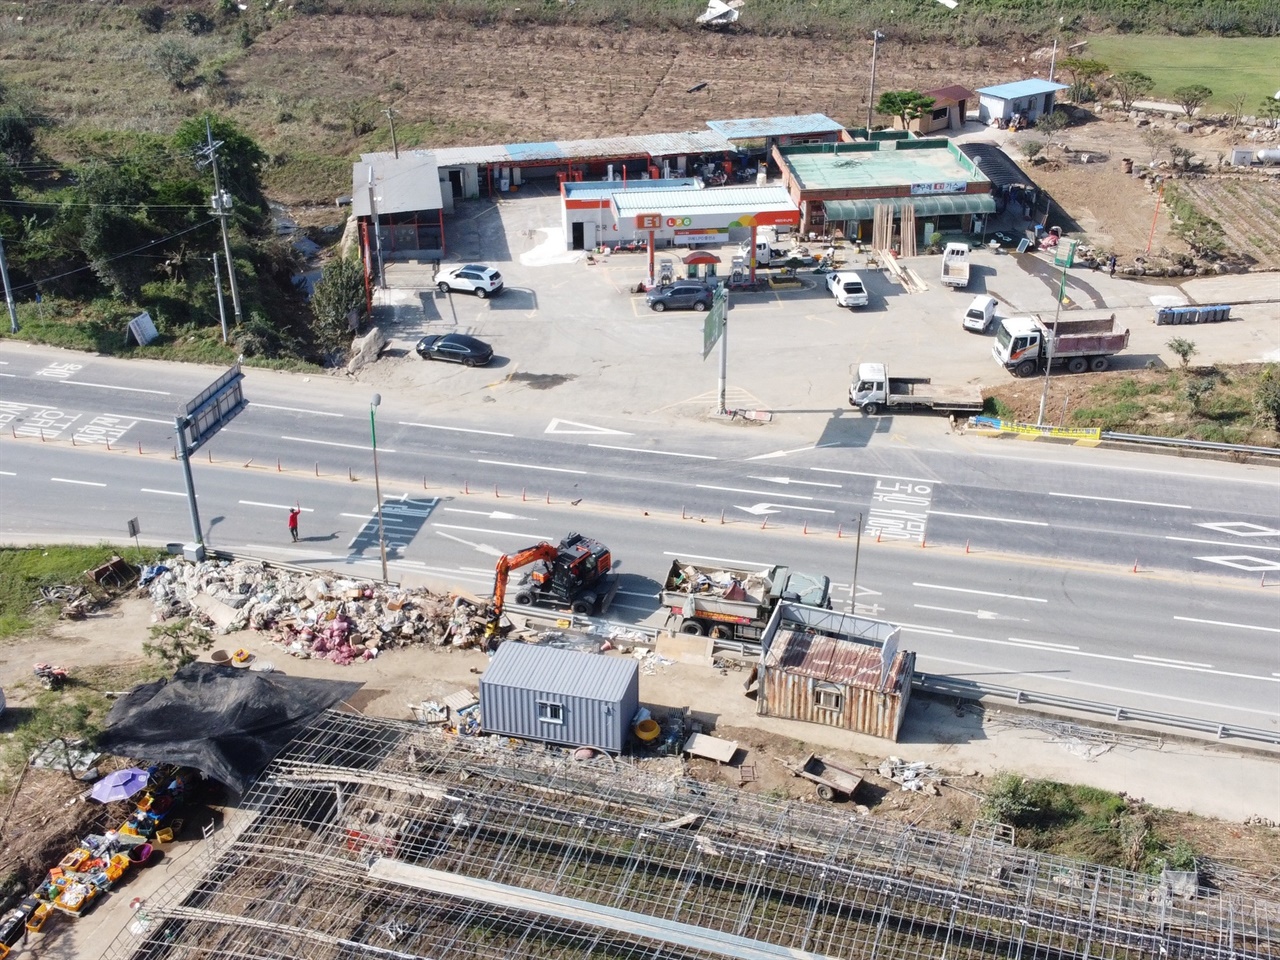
(938, 205)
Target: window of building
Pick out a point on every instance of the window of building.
(828, 696)
(549, 712)
(940, 113)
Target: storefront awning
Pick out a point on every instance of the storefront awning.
(941, 205)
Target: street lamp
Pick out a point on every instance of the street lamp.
(377, 483)
(876, 37)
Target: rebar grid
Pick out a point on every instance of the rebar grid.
(351, 790)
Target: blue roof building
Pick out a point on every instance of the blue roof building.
(1026, 98)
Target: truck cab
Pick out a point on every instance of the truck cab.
(869, 387)
(1017, 342)
(848, 289)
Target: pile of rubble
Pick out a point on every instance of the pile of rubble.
(920, 777)
(331, 618)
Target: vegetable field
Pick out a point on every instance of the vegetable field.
(1248, 210)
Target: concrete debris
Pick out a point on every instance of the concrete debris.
(650, 662)
(331, 618)
(364, 350)
(919, 776)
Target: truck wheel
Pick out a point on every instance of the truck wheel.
(692, 627)
(1077, 365)
(524, 599)
(825, 792)
(871, 409)
(581, 606)
(1098, 364)
(719, 633)
(1025, 369)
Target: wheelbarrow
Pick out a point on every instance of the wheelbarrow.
(832, 779)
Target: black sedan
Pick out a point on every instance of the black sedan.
(457, 347)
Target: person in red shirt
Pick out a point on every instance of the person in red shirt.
(293, 523)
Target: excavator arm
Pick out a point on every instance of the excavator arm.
(502, 573)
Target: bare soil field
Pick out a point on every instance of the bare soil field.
(1248, 210)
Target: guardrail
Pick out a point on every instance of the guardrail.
(970, 690)
(1191, 444)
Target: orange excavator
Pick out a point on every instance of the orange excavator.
(573, 573)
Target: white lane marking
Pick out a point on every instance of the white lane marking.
(1167, 661)
(1141, 503)
(735, 563)
(1240, 528)
(272, 406)
(760, 509)
(334, 443)
(948, 635)
(783, 453)
(360, 516)
(531, 466)
(788, 480)
(1043, 643)
(108, 386)
(491, 514)
(8, 473)
(436, 426)
(1228, 623)
(1220, 543)
(275, 506)
(980, 614)
(8, 374)
(974, 516)
(636, 593)
(981, 593)
(164, 493)
(881, 476)
(754, 493)
(556, 426)
(661, 453)
(497, 533)
(1247, 563)
(478, 547)
(83, 483)
(989, 668)
(923, 628)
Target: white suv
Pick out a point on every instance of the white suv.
(848, 289)
(470, 278)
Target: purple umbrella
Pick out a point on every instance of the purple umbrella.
(120, 785)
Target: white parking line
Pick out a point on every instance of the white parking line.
(436, 426)
(1141, 503)
(661, 453)
(1227, 623)
(108, 386)
(332, 443)
(531, 466)
(974, 516)
(1176, 663)
(83, 483)
(981, 593)
(272, 406)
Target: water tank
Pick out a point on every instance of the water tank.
(1267, 156)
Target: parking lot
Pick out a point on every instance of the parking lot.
(569, 335)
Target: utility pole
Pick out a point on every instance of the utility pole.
(391, 115)
(377, 233)
(220, 207)
(8, 291)
(876, 37)
(1053, 338)
(217, 289)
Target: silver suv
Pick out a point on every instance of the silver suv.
(681, 295)
(470, 278)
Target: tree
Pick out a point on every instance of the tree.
(1082, 70)
(1192, 97)
(1236, 104)
(1266, 401)
(1130, 86)
(1031, 148)
(17, 135)
(1053, 121)
(173, 60)
(1197, 390)
(906, 105)
(339, 290)
(1156, 139)
(1185, 349)
(1269, 110)
(240, 161)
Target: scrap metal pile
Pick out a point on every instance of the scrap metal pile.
(325, 617)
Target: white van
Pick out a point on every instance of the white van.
(848, 289)
(979, 314)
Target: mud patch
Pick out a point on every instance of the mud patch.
(542, 381)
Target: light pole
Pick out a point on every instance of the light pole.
(374, 403)
(876, 37)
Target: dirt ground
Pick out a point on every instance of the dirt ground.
(46, 813)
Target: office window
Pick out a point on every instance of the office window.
(828, 696)
(549, 712)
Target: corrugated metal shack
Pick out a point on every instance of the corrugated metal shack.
(834, 668)
(560, 696)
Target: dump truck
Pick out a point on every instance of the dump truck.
(1024, 345)
(727, 602)
(873, 391)
(955, 265)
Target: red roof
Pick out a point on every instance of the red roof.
(700, 257)
(835, 660)
(954, 93)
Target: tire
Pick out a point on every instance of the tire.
(871, 409)
(581, 607)
(1098, 364)
(659, 306)
(700, 307)
(825, 792)
(1025, 369)
(693, 628)
(719, 632)
(442, 287)
(1077, 365)
(481, 293)
(468, 362)
(523, 599)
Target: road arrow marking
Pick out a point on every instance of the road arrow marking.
(783, 453)
(558, 426)
(807, 483)
(763, 509)
(479, 547)
(491, 514)
(980, 614)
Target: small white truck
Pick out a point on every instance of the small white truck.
(767, 252)
(955, 265)
(848, 289)
(873, 391)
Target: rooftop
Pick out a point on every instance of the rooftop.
(816, 168)
(673, 203)
(569, 673)
(836, 660)
(1021, 88)
(954, 93)
(565, 151)
(759, 127)
(583, 189)
(400, 185)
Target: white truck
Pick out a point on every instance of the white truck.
(955, 265)
(768, 253)
(848, 289)
(873, 391)
(1024, 345)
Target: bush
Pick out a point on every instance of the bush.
(1031, 148)
(1010, 800)
(152, 19)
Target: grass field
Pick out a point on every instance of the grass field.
(1224, 65)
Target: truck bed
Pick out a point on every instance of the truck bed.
(922, 391)
(716, 589)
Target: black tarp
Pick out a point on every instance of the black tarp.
(226, 722)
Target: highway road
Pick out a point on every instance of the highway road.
(1007, 562)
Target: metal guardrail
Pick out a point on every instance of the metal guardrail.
(969, 690)
(1191, 444)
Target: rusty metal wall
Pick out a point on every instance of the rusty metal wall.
(792, 697)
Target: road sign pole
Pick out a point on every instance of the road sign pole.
(722, 386)
(180, 425)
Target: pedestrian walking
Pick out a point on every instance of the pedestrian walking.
(1111, 266)
(293, 522)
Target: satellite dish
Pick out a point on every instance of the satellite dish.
(720, 13)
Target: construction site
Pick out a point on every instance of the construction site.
(377, 838)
